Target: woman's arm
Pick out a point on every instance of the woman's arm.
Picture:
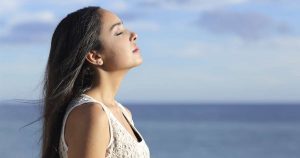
(87, 132)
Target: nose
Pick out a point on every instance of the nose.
(133, 36)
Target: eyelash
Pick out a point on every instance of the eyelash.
(119, 33)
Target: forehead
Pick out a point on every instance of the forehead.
(108, 19)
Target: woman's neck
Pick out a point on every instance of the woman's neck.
(106, 86)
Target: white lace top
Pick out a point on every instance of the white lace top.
(121, 144)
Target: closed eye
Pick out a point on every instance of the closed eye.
(119, 33)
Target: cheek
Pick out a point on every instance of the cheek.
(122, 58)
(118, 58)
(121, 50)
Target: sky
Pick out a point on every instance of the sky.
(192, 50)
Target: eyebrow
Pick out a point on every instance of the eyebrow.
(116, 24)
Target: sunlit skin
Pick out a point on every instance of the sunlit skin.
(87, 130)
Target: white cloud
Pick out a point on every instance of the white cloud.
(190, 5)
(231, 69)
(119, 6)
(8, 6)
(28, 26)
(281, 45)
(280, 2)
(247, 25)
(115, 6)
(143, 25)
(41, 16)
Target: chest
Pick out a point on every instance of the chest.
(124, 125)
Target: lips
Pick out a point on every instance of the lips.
(135, 50)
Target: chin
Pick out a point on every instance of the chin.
(137, 64)
(140, 62)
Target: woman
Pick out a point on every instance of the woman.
(91, 51)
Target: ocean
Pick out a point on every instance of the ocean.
(180, 130)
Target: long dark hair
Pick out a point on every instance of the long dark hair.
(67, 73)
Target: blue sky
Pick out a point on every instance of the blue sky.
(193, 50)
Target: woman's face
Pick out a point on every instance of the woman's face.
(120, 50)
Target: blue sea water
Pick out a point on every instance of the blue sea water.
(179, 131)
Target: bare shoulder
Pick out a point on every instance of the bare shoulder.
(87, 131)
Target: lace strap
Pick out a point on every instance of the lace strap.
(126, 113)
